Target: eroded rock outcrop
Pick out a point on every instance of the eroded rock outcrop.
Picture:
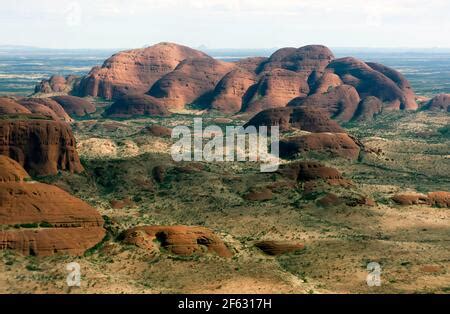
(176, 76)
(134, 104)
(276, 88)
(42, 147)
(306, 59)
(341, 102)
(369, 81)
(11, 170)
(41, 219)
(271, 247)
(75, 106)
(331, 144)
(304, 171)
(51, 241)
(180, 240)
(438, 199)
(303, 118)
(192, 81)
(134, 71)
(368, 108)
(409, 102)
(326, 82)
(57, 84)
(11, 106)
(232, 90)
(439, 102)
(37, 103)
(251, 64)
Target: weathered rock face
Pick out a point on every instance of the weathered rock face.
(439, 102)
(303, 118)
(340, 102)
(334, 144)
(11, 171)
(134, 71)
(401, 81)
(180, 240)
(36, 103)
(304, 59)
(177, 76)
(75, 106)
(308, 171)
(56, 221)
(41, 110)
(231, 91)
(47, 242)
(251, 64)
(279, 247)
(326, 82)
(28, 203)
(438, 199)
(275, 89)
(41, 146)
(11, 106)
(132, 104)
(192, 81)
(57, 84)
(370, 82)
(368, 108)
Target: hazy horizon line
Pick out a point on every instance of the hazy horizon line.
(202, 47)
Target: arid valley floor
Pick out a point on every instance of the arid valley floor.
(412, 243)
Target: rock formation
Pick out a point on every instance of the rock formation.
(134, 104)
(192, 81)
(368, 108)
(41, 219)
(179, 240)
(369, 81)
(41, 146)
(57, 84)
(75, 106)
(251, 64)
(134, 71)
(303, 171)
(276, 88)
(176, 76)
(438, 199)
(42, 110)
(326, 82)
(11, 171)
(231, 91)
(332, 144)
(37, 103)
(279, 247)
(303, 118)
(305, 59)
(340, 102)
(401, 81)
(11, 106)
(439, 102)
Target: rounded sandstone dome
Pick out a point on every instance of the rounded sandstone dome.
(11, 170)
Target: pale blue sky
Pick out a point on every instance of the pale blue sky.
(225, 23)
